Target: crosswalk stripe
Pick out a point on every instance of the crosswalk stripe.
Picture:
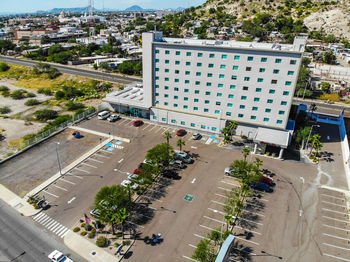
(57, 228)
(49, 224)
(61, 230)
(42, 218)
(65, 233)
(38, 216)
(53, 225)
(47, 221)
(53, 228)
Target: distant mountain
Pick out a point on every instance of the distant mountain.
(134, 8)
(72, 10)
(179, 9)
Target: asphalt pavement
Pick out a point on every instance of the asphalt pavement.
(74, 71)
(22, 241)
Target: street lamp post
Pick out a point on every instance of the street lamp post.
(58, 158)
(222, 224)
(307, 142)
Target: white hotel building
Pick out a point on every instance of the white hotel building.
(204, 84)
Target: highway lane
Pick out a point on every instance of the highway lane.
(74, 71)
(22, 241)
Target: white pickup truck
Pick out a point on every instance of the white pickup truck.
(57, 256)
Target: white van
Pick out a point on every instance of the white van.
(103, 115)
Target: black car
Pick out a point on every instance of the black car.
(170, 174)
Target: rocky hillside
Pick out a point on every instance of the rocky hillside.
(329, 17)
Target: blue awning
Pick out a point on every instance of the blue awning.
(225, 248)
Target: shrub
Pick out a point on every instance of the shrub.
(18, 94)
(93, 230)
(71, 106)
(31, 95)
(76, 229)
(5, 110)
(126, 242)
(331, 97)
(83, 225)
(45, 114)
(32, 102)
(59, 95)
(91, 234)
(88, 227)
(6, 93)
(53, 73)
(47, 92)
(4, 88)
(101, 242)
(61, 119)
(4, 67)
(119, 234)
(83, 233)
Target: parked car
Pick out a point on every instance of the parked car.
(183, 156)
(196, 136)
(138, 123)
(95, 212)
(103, 115)
(177, 164)
(170, 174)
(137, 171)
(261, 186)
(228, 171)
(126, 183)
(113, 118)
(57, 256)
(267, 180)
(181, 132)
(136, 178)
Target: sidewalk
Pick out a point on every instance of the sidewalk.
(99, 133)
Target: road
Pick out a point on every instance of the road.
(74, 71)
(22, 241)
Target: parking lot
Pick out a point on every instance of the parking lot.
(299, 221)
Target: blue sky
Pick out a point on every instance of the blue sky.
(34, 5)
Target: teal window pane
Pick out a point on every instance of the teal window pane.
(166, 79)
(199, 64)
(166, 70)
(177, 53)
(224, 56)
(200, 55)
(157, 86)
(177, 72)
(196, 91)
(193, 124)
(250, 58)
(243, 98)
(211, 55)
(198, 74)
(173, 121)
(197, 83)
(281, 112)
(232, 87)
(206, 110)
(279, 121)
(207, 93)
(234, 77)
(274, 81)
(185, 107)
(240, 115)
(188, 53)
(221, 76)
(261, 70)
(211, 65)
(248, 68)
(157, 52)
(177, 62)
(183, 123)
(268, 110)
(176, 97)
(246, 78)
(166, 87)
(166, 95)
(167, 52)
(208, 84)
(185, 98)
(209, 75)
(293, 62)
(269, 101)
(176, 80)
(242, 106)
(285, 93)
(157, 60)
(254, 108)
(176, 89)
(278, 60)
(253, 117)
(258, 90)
(222, 66)
(187, 72)
(290, 73)
(213, 128)
(167, 61)
(217, 103)
(283, 103)
(188, 63)
(154, 117)
(272, 91)
(187, 81)
(276, 71)
(220, 85)
(260, 80)
(288, 83)
(230, 96)
(266, 119)
(229, 105)
(186, 90)
(245, 88)
(165, 103)
(203, 126)
(228, 113)
(217, 112)
(195, 108)
(237, 57)
(219, 94)
(206, 101)
(163, 119)
(235, 68)
(256, 99)
(175, 105)
(157, 69)
(263, 59)
(196, 100)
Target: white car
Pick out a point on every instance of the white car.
(57, 256)
(113, 118)
(228, 171)
(126, 183)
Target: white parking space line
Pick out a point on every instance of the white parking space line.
(339, 258)
(342, 199)
(192, 245)
(221, 195)
(339, 220)
(67, 181)
(224, 189)
(166, 129)
(61, 188)
(216, 202)
(338, 228)
(222, 222)
(96, 154)
(160, 128)
(343, 248)
(326, 202)
(342, 238)
(75, 176)
(85, 164)
(196, 235)
(249, 241)
(146, 127)
(152, 198)
(154, 126)
(109, 152)
(147, 206)
(50, 194)
(218, 211)
(229, 183)
(333, 211)
(189, 258)
(98, 161)
(82, 170)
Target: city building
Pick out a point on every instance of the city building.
(205, 84)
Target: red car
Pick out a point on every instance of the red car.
(181, 132)
(138, 123)
(137, 171)
(267, 180)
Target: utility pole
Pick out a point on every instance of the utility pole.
(58, 158)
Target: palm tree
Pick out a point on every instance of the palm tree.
(258, 162)
(312, 108)
(180, 143)
(232, 127)
(120, 218)
(246, 152)
(167, 136)
(225, 131)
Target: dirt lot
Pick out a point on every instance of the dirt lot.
(39, 163)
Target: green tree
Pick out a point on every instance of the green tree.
(109, 200)
(18, 94)
(167, 136)
(315, 142)
(329, 58)
(180, 143)
(160, 154)
(301, 135)
(246, 152)
(45, 39)
(4, 67)
(312, 108)
(305, 61)
(232, 128)
(205, 251)
(325, 86)
(120, 217)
